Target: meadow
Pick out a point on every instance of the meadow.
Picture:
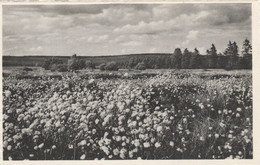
(151, 114)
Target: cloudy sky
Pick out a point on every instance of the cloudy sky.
(122, 29)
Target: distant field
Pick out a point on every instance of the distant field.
(38, 60)
(38, 72)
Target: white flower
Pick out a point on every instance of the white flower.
(216, 135)
(105, 149)
(7, 93)
(171, 143)
(118, 138)
(82, 143)
(9, 147)
(53, 147)
(136, 143)
(237, 115)
(91, 81)
(159, 128)
(116, 151)
(41, 145)
(157, 145)
(97, 121)
(157, 108)
(221, 124)
(146, 144)
(239, 109)
(131, 154)
(83, 157)
(58, 124)
(122, 153)
(5, 144)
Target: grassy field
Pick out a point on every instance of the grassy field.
(38, 60)
(150, 114)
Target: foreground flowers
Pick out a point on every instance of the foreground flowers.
(163, 117)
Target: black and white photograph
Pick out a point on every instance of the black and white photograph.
(127, 81)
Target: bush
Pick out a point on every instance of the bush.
(111, 66)
(27, 69)
(228, 67)
(49, 62)
(76, 64)
(62, 68)
(89, 64)
(140, 66)
(102, 66)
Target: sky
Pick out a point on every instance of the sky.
(92, 30)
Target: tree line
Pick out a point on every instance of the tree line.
(229, 59)
(186, 59)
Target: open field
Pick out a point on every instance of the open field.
(38, 60)
(160, 114)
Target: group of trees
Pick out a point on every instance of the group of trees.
(229, 59)
(109, 66)
(74, 63)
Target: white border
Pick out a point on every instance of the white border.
(256, 84)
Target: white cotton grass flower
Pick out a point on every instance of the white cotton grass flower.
(91, 81)
(146, 144)
(7, 93)
(82, 143)
(9, 147)
(41, 145)
(159, 128)
(83, 157)
(171, 143)
(116, 152)
(53, 147)
(216, 135)
(123, 152)
(230, 136)
(157, 145)
(105, 149)
(118, 138)
(239, 109)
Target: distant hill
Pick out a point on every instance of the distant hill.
(37, 60)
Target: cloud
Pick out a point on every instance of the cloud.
(132, 43)
(191, 36)
(35, 49)
(117, 28)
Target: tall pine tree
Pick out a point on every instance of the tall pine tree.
(246, 55)
(212, 57)
(176, 58)
(185, 61)
(195, 60)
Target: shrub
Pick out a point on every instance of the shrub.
(62, 68)
(228, 67)
(111, 66)
(102, 66)
(89, 64)
(49, 62)
(140, 66)
(76, 64)
(27, 69)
